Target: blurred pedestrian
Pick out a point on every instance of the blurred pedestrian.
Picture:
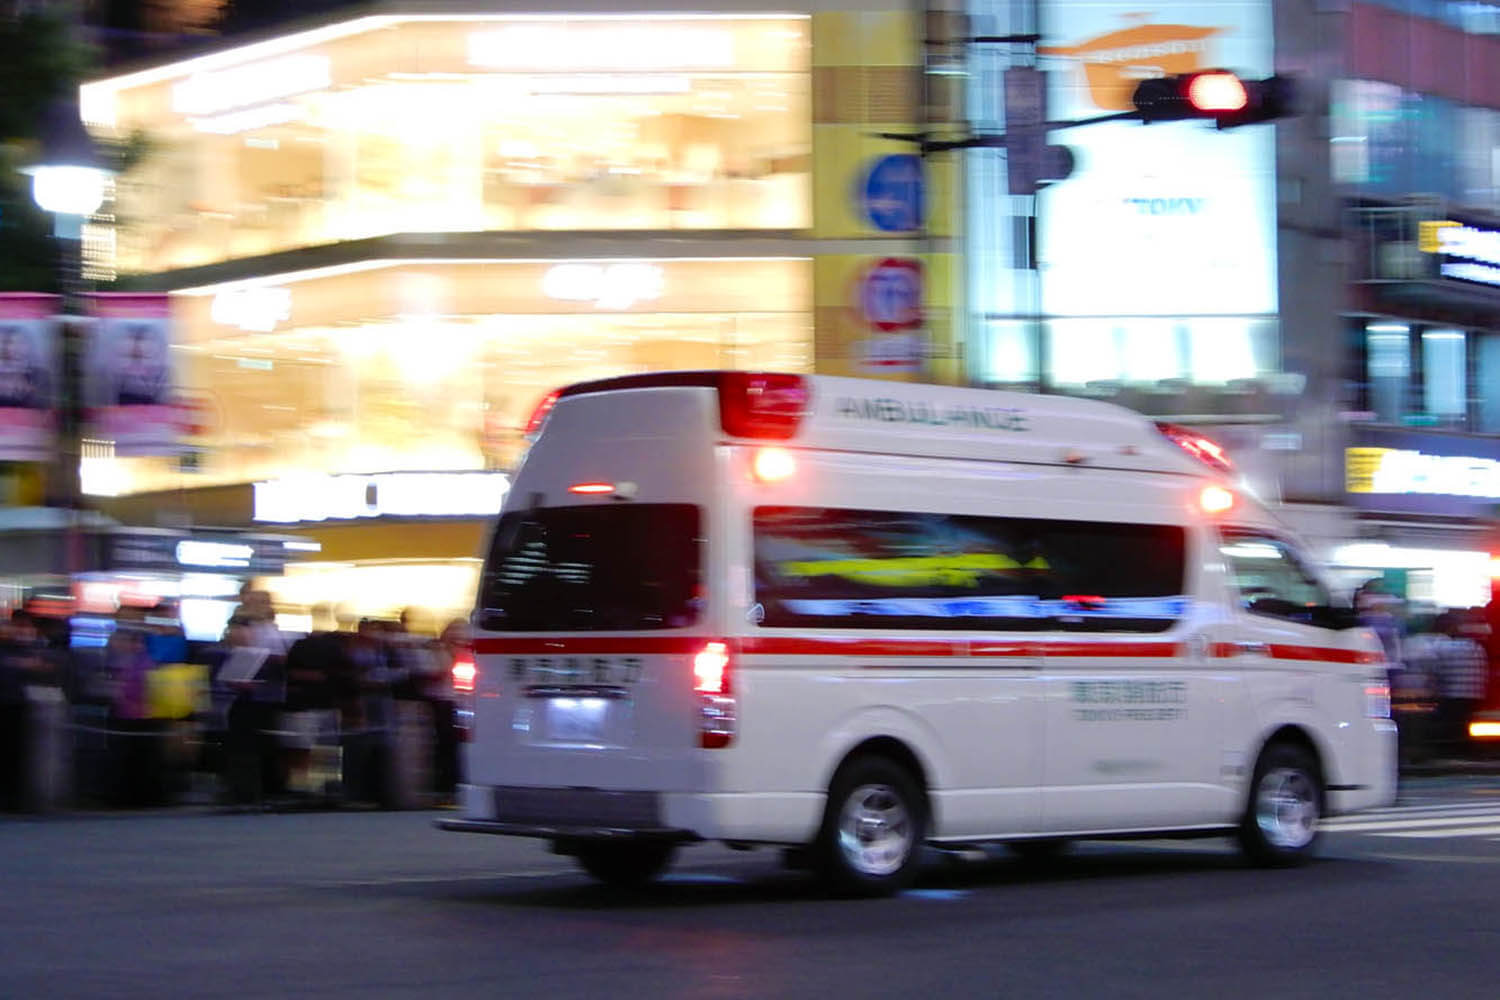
(249, 686)
(133, 731)
(21, 666)
(453, 645)
(1461, 669)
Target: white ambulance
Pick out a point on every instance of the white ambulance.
(853, 617)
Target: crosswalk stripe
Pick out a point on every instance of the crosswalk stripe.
(1404, 823)
(1462, 831)
(1447, 807)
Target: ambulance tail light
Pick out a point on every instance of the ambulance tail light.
(767, 405)
(712, 677)
(465, 673)
(1204, 449)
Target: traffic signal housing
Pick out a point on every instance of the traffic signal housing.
(1214, 94)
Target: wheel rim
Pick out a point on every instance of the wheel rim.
(1286, 808)
(875, 830)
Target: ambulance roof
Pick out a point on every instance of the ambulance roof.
(870, 415)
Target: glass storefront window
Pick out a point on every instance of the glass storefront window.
(412, 367)
(1161, 353)
(1479, 159)
(1488, 361)
(465, 124)
(1444, 376)
(1010, 354)
(1388, 368)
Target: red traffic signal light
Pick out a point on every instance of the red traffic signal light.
(1215, 94)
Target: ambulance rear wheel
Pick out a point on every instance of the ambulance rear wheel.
(874, 824)
(1280, 826)
(624, 865)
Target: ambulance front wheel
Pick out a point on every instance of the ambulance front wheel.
(873, 828)
(1280, 826)
(624, 865)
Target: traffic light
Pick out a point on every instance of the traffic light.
(1215, 94)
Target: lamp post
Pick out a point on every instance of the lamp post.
(68, 180)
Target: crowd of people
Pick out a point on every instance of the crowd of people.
(270, 715)
(1438, 670)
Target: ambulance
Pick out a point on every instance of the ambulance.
(858, 619)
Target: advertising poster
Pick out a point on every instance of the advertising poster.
(129, 389)
(29, 377)
(1168, 219)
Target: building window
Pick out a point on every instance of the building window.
(1479, 158)
(1444, 376)
(1487, 362)
(1388, 369)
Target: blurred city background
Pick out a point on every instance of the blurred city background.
(264, 378)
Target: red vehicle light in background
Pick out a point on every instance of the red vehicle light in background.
(762, 404)
(464, 674)
(539, 415)
(1206, 450)
(591, 488)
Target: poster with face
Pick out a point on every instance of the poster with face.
(128, 377)
(28, 377)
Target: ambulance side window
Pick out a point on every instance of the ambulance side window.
(1273, 580)
(823, 567)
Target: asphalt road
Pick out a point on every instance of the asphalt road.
(364, 904)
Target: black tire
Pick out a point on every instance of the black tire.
(1040, 850)
(874, 824)
(624, 865)
(1284, 809)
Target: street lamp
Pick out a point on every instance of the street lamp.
(68, 180)
(69, 177)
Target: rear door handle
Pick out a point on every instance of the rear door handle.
(1252, 649)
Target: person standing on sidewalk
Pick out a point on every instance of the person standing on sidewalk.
(21, 664)
(1461, 670)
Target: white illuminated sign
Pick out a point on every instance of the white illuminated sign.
(1171, 219)
(557, 47)
(253, 83)
(1477, 251)
(608, 286)
(219, 555)
(1392, 470)
(386, 494)
(255, 309)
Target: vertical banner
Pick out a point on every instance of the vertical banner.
(129, 389)
(29, 379)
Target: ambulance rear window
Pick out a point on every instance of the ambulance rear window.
(824, 567)
(620, 567)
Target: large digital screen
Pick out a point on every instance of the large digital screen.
(1173, 218)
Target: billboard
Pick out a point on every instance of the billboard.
(29, 376)
(1169, 219)
(129, 387)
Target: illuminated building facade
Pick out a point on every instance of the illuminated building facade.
(1322, 294)
(387, 237)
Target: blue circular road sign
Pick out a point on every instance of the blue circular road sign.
(893, 196)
